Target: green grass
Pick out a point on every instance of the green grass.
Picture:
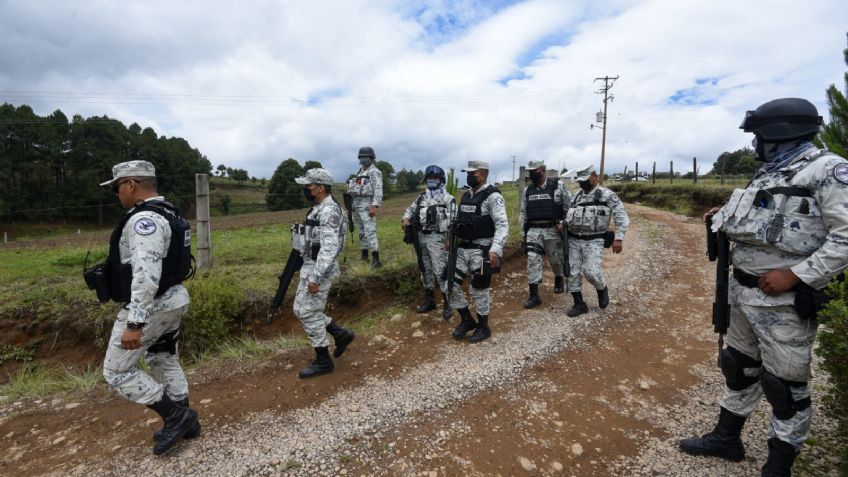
(34, 381)
(683, 198)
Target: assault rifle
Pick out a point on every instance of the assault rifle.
(348, 203)
(718, 250)
(410, 235)
(566, 263)
(294, 263)
(452, 240)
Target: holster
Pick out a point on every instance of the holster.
(809, 301)
(96, 278)
(609, 238)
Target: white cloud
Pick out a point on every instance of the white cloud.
(433, 82)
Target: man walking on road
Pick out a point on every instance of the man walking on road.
(788, 229)
(588, 234)
(366, 189)
(541, 219)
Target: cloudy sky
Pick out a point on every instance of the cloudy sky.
(431, 81)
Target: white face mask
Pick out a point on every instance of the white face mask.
(433, 184)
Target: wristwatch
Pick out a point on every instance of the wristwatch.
(132, 325)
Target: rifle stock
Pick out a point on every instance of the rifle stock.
(566, 263)
(348, 202)
(718, 250)
(293, 265)
(450, 270)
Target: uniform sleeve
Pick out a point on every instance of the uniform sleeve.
(377, 184)
(330, 220)
(522, 212)
(148, 237)
(832, 257)
(497, 208)
(562, 197)
(410, 211)
(619, 215)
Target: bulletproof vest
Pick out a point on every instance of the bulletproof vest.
(540, 202)
(588, 214)
(470, 222)
(785, 216)
(430, 217)
(361, 184)
(176, 266)
(304, 243)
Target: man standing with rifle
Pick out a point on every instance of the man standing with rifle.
(477, 241)
(320, 240)
(789, 230)
(425, 224)
(366, 192)
(541, 218)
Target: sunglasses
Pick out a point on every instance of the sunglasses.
(117, 186)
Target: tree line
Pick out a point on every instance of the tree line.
(50, 166)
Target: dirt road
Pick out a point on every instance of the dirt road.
(601, 394)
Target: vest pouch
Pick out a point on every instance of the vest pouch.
(97, 280)
(432, 216)
(801, 234)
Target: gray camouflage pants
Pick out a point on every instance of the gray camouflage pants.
(551, 242)
(366, 226)
(120, 366)
(586, 258)
(435, 259)
(309, 309)
(778, 337)
(467, 262)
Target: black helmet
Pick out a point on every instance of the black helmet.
(366, 151)
(782, 120)
(435, 171)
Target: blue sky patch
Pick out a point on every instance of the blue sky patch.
(454, 18)
(320, 96)
(704, 93)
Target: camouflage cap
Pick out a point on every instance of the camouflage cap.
(583, 173)
(476, 165)
(131, 169)
(535, 164)
(316, 176)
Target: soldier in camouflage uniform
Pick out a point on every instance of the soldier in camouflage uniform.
(482, 228)
(789, 230)
(541, 218)
(154, 302)
(322, 240)
(588, 224)
(429, 214)
(366, 189)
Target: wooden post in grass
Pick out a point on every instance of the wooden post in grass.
(637, 171)
(204, 232)
(654, 174)
(695, 170)
(723, 162)
(520, 185)
(671, 173)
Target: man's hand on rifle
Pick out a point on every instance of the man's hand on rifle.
(494, 260)
(312, 288)
(711, 212)
(372, 212)
(405, 223)
(775, 282)
(559, 228)
(617, 246)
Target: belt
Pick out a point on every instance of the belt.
(541, 225)
(587, 237)
(473, 246)
(746, 279)
(428, 232)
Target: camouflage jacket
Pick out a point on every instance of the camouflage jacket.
(329, 233)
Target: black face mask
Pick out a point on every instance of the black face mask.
(585, 185)
(473, 181)
(308, 194)
(536, 177)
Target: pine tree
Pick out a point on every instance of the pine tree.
(834, 135)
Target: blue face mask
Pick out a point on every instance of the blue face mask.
(433, 184)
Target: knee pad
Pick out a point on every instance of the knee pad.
(166, 343)
(733, 364)
(779, 394)
(535, 248)
(458, 277)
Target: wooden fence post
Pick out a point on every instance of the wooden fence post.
(671, 173)
(654, 174)
(637, 171)
(520, 185)
(204, 232)
(695, 170)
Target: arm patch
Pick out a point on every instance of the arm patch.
(840, 173)
(144, 226)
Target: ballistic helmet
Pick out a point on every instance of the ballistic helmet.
(367, 151)
(435, 171)
(782, 120)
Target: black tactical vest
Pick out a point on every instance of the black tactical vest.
(540, 202)
(176, 267)
(471, 224)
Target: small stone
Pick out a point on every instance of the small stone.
(526, 463)
(416, 324)
(72, 405)
(556, 466)
(395, 317)
(418, 334)
(205, 401)
(150, 422)
(10, 434)
(56, 402)
(577, 449)
(643, 384)
(59, 440)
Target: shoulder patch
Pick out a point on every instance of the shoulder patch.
(144, 226)
(333, 220)
(840, 173)
(499, 200)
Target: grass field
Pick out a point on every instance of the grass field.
(682, 197)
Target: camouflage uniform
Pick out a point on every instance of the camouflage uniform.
(803, 227)
(366, 189)
(432, 235)
(545, 238)
(328, 232)
(144, 244)
(589, 216)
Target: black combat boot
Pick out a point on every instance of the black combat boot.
(603, 298)
(466, 324)
(579, 307)
(178, 421)
(341, 336)
(723, 441)
(781, 456)
(375, 259)
(482, 332)
(533, 300)
(322, 364)
(190, 434)
(447, 311)
(429, 302)
(559, 285)
(365, 255)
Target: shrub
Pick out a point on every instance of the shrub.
(216, 304)
(833, 349)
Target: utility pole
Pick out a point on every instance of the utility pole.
(513, 168)
(608, 83)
